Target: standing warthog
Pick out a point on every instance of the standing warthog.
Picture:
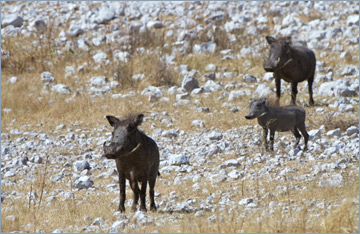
(282, 119)
(136, 156)
(293, 64)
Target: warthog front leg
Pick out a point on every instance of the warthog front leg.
(265, 133)
(272, 135)
(278, 89)
(294, 92)
(135, 188)
(310, 83)
(122, 192)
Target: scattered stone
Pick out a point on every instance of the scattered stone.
(61, 88)
(335, 132)
(81, 165)
(178, 159)
(84, 182)
(189, 83)
(47, 77)
(215, 136)
(13, 20)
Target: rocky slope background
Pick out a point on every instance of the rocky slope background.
(191, 68)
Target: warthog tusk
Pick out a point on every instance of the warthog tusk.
(287, 62)
(263, 114)
(133, 150)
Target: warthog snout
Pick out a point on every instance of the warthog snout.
(250, 116)
(109, 151)
(268, 66)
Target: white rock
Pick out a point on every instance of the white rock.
(268, 76)
(233, 27)
(215, 135)
(246, 201)
(138, 77)
(169, 133)
(263, 90)
(211, 68)
(13, 20)
(97, 41)
(197, 123)
(228, 75)
(335, 132)
(178, 159)
(12, 80)
(231, 163)
(152, 92)
(100, 57)
(154, 24)
(70, 71)
(121, 56)
(98, 80)
(250, 78)
(314, 134)
(345, 108)
(61, 88)
(105, 15)
(84, 182)
(47, 77)
(234, 174)
(118, 226)
(352, 130)
(81, 165)
(59, 230)
(352, 19)
(212, 86)
(75, 30)
(207, 47)
(237, 94)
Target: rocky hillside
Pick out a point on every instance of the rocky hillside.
(191, 68)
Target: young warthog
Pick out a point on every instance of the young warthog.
(282, 119)
(136, 156)
(293, 64)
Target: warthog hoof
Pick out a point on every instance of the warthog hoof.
(121, 209)
(143, 208)
(153, 208)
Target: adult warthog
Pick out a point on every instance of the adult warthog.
(291, 63)
(136, 156)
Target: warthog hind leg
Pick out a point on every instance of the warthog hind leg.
(298, 136)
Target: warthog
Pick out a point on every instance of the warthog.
(282, 119)
(291, 63)
(136, 156)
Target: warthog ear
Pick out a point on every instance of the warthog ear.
(270, 39)
(252, 100)
(138, 120)
(112, 120)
